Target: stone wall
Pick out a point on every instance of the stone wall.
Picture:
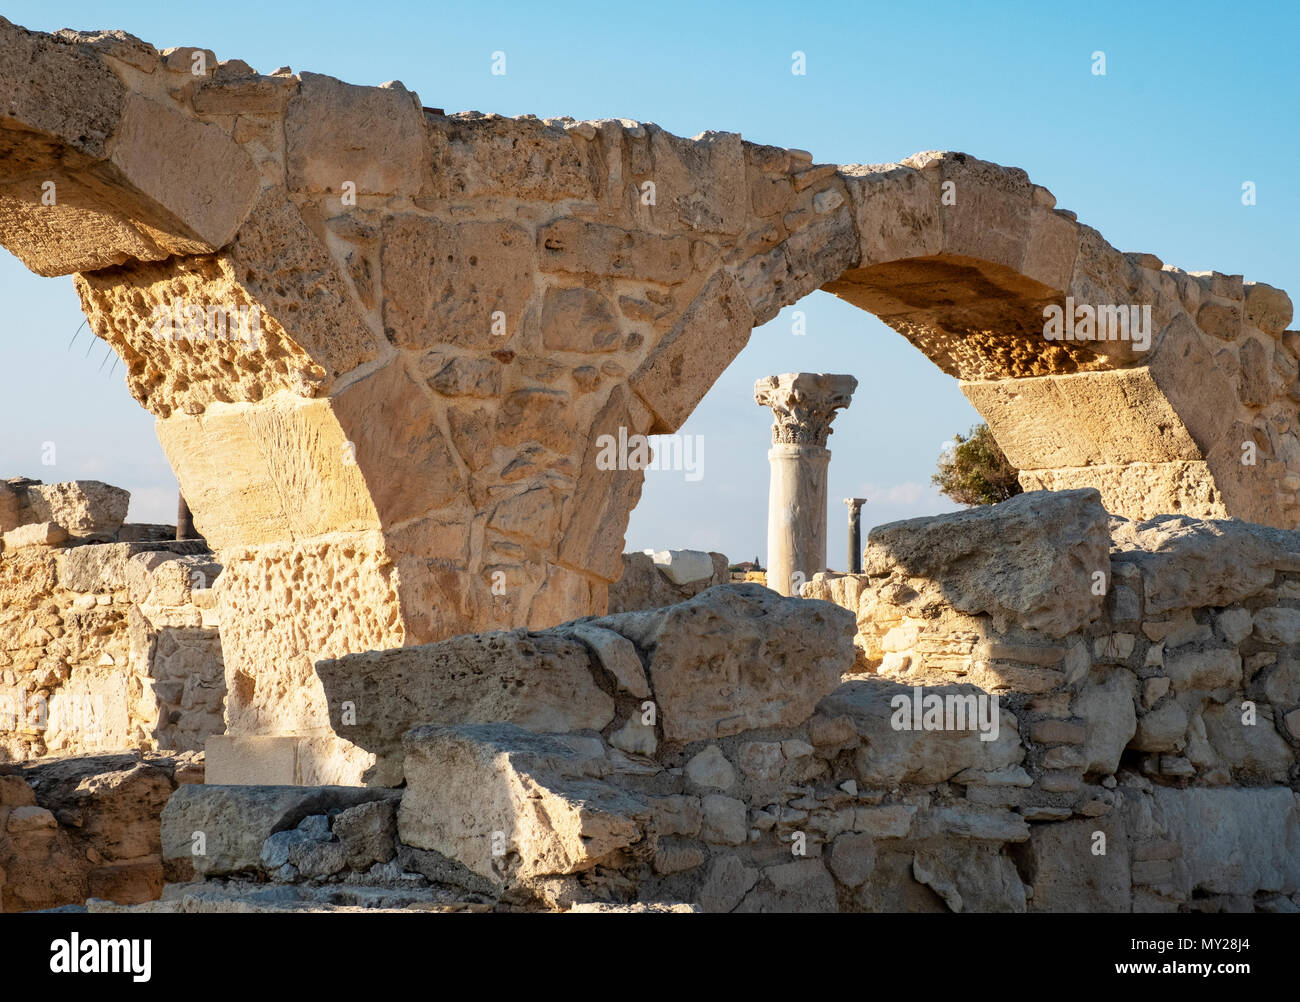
(78, 828)
(1097, 717)
(104, 646)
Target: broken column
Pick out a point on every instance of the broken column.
(804, 404)
(854, 565)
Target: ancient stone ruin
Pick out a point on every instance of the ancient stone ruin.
(384, 345)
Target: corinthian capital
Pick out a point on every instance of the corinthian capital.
(804, 404)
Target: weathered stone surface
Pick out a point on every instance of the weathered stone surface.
(738, 657)
(1110, 717)
(891, 756)
(76, 827)
(645, 586)
(235, 821)
(1070, 873)
(799, 886)
(1232, 838)
(84, 508)
(368, 833)
(1187, 563)
(970, 878)
(35, 534)
(541, 681)
(1042, 582)
(535, 798)
(616, 654)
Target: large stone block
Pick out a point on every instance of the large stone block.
(220, 830)
(900, 749)
(539, 681)
(87, 509)
(512, 805)
(738, 657)
(1029, 561)
(1234, 841)
(1189, 563)
(1072, 869)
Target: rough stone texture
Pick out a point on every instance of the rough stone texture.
(644, 585)
(87, 827)
(737, 657)
(106, 646)
(235, 821)
(915, 756)
(1142, 761)
(1028, 561)
(540, 681)
(536, 795)
(394, 416)
(369, 327)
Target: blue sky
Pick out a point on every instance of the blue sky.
(1197, 98)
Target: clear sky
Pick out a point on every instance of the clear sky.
(1197, 98)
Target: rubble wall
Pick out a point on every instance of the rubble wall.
(105, 646)
(1095, 715)
(87, 827)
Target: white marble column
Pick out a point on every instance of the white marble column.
(803, 405)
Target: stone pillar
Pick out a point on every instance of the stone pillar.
(184, 519)
(804, 404)
(854, 565)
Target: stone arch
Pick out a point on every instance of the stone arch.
(455, 314)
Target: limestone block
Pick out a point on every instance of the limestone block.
(1209, 669)
(471, 787)
(1110, 717)
(1051, 422)
(1161, 729)
(1234, 841)
(425, 259)
(680, 369)
(252, 760)
(891, 756)
(896, 210)
(1043, 583)
(799, 886)
(1139, 490)
(1268, 308)
(644, 586)
(371, 136)
(1188, 563)
(709, 768)
(738, 657)
(35, 534)
(970, 877)
(616, 654)
(539, 681)
(1253, 752)
(684, 566)
(1278, 625)
(85, 508)
(1066, 874)
(210, 199)
(235, 821)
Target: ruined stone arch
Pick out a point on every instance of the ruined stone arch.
(452, 309)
